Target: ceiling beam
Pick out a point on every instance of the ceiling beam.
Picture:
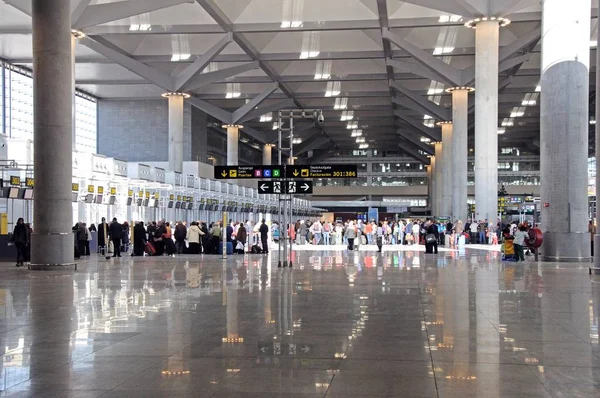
(412, 151)
(449, 6)
(432, 108)
(139, 68)
(468, 74)
(78, 11)
(204, 79)
(427, 131)
(442, 70)
(253, 103)
(212, 110)
(409, 136)
(201, 62)
(99, 14)
(519, 44)
(314, 143)
(409, 67)
(261, 110)
(257, 135)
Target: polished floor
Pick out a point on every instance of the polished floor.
(338, 324)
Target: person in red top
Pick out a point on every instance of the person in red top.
(369, 232)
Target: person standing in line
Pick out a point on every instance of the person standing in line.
(327, 233)
(473, 229)
(431, 229)
(180, 235)
(116, 234)
(139, 239)
(20, 238)
(264, 236)
(242, 237)
(88, 239)
(350, 235)
(193, 236)
(81, 238)
(416, 231)
(379, 237)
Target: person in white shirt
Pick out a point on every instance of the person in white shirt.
(473, 231)
(416, 230)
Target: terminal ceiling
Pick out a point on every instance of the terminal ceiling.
(367, 60)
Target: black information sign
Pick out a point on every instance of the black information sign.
(322, 171)
(285, 187)
(243, 172)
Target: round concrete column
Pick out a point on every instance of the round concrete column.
(52, 241)
(266, 153)
(446, 169)
(176, 101)
(429, 186)
(233, 140)
(433, 196)
(438, 177)
(564, 123)
(460, 127)
(486, 119)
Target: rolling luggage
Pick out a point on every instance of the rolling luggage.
(229, 248)
(150, 249)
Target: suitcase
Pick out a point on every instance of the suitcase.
(229, 248)
(256, 249)
(150, 249)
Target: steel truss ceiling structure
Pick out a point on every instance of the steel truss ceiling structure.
(380, 66)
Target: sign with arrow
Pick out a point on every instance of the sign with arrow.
(245, 172)
(283, 349)
(322, 171)
(285, 187)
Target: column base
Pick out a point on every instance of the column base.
(54, 249)
(572, 247)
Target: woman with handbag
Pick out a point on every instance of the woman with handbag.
(431, 238)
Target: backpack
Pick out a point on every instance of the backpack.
(255, 249)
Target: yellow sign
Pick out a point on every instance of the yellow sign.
(147, 195)
(29, 182)
(100, 190)
(233, 173)
(15, 180)
(130, 193)
(171, 197)
(304, 173)
(91, 189)
(113, 191)
(75, 187)
(156, 195)
(179, 198)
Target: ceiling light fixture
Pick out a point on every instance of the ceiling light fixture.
(501, 131)
(291, 15)
(363, 146)
(352, 126)
(233, 90)
(473, 22)
(356, 133)
(267, 117)
(323, 70)
(442, 50)
(297, 141)
(451, 89)
(360, 140)
(310, 45)
(333, 89)
(425, 140)
(341, 103)
(347, 115)
(450, 18)
(144, 27)
(593, 122)
(180, 57)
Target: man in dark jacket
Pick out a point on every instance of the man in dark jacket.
(180, 235)
(139, 239)
(20, 238)
(81, 238)
(264, 236)
(116, 234)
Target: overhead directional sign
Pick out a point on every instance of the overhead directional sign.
(242, 172)
(322, 171)
(285, 187)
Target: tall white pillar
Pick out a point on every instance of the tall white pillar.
(52, 240)
(233, 140)
(430, 187)
(434, 194)
(266, 154)
(486, 119)
(438, 177)
(564, 123)
(176, 101)
(74, 36)
(460, 129)
(446, 169)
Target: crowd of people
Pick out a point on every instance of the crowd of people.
(162, 238)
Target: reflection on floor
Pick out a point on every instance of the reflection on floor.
(345, 324)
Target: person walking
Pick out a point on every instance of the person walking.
(103, 237)
(264, 236)
(519, 241)
(81, 238)
(88, 236)
(115, 232)
(20, 238)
